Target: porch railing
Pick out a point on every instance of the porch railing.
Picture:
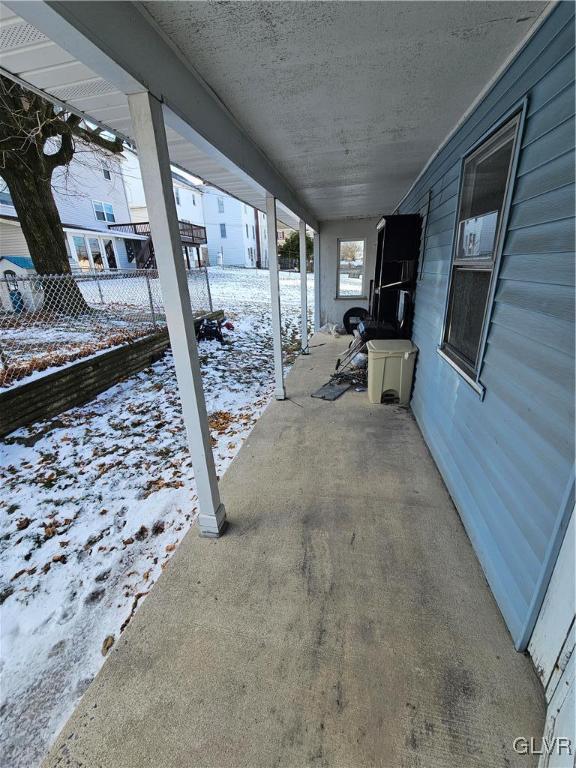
(191, 234)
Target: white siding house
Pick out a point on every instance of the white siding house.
(90, 195)
(231, 230)
(187, 195)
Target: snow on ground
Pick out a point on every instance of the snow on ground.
(96, 500)
(123, 306)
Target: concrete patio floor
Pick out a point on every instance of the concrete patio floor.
(343, 620)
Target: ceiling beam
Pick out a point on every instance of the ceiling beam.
(120, 43)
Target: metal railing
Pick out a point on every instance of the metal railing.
(190, 233)
(49, 321)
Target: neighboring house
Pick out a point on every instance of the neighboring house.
(232, 230)
(284, 233)
(17, 294)
(188, 199)
(90, 195)
(262, 240)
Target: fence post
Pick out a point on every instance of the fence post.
(208, 288)
(150, 299)
(99, 288)
(3, 359)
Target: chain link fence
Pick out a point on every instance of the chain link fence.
(49, 321)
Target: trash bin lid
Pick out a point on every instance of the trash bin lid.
(390, 347)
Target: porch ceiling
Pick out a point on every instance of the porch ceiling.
(348, 99)
(333, 107)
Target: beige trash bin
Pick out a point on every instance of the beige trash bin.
(390, 368)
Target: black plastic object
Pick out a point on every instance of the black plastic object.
(331, 391)
(209, 330)
(353, 317)
(370, 329)
(391, 291)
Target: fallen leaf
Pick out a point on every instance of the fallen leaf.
(141, 533)
(107, 644)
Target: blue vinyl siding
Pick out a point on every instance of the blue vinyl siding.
(508, 459)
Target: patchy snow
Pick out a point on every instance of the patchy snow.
(122, 306)
(96, 500)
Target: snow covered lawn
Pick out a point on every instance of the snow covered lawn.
(96, 500)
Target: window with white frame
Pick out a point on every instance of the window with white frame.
(81, 251)
(247, 232)
(106, 173)
(96, 252)
(220, 205)
(222, 230)
(351, 268)
(485, 179)
(103, 211)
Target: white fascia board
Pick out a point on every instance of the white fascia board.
(103, 233)
(120, 43)
(13, 222)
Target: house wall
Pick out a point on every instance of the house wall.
(552, 642)
(263, 238)
(552, 647)
(188, 201)
(237, 217)
(332, 308)
(75, 190)
(189, 204)
(507, 459)
(12, 241)
(77, 187)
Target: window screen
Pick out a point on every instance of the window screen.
(483, 192)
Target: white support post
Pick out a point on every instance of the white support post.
(303, 291)
(317, 320)
(150, 135)
(272, 232)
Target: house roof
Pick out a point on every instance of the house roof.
(185, 182)
(24, 262)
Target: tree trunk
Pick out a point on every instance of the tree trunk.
(42, 229)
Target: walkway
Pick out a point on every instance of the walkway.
(343, 620)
